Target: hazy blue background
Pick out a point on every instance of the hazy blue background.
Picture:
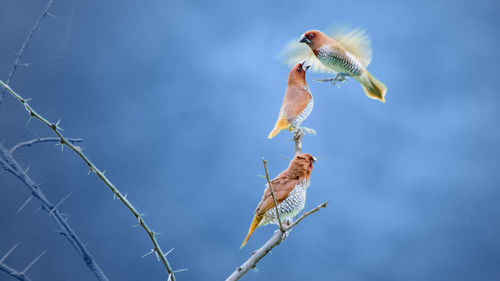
(175, 100)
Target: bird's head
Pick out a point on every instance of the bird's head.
(312, 38)
(298, 71)
(302, 164)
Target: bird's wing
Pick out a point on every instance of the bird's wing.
(355, 42)
(282, 187)
(295, 52)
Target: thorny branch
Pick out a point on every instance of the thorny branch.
(23, 47)
(64, 141)
(19, 275)
(297, 137)
(8, 163)
(38, 140)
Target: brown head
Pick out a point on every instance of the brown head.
(298, 73)
(301, 166)
(314, 39)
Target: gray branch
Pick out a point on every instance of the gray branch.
(278, 237)
(12, 272)
(297, 137)
(93, 168)
(23, 47)
(38, 140)
(8, 163)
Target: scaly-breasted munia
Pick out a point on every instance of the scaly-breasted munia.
(298, 101)
(346, 53)
(290, 192)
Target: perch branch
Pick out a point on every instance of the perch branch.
(297, 137)
(272, 194)
(8, 163)
(278, 237)
(64, 141)
(23, 47)
(14, 273)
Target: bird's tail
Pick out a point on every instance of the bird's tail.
(372, 86)
(281, 124)
(255, 223)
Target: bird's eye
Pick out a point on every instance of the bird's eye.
(299, 68)
(310, 35)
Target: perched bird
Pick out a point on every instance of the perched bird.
(298, 101)
(290, 192)
(346, 53)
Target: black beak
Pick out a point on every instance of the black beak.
(305, 65)
(303, 39)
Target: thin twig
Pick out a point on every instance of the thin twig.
(278, 237)
(64, 141)
(23, 47)
(8, 163)
(272, 194)
(39, 140)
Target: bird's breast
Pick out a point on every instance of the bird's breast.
(305, 113)
(289, 207)
(339, 61)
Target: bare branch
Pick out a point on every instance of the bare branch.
(278, 237)
(23, 47)
(272, 194)
(39, 140)
(297, 137)
(99, 173)
(9, 164)
(12, 272)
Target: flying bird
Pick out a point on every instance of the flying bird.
(290, 192)
(298, 101)
(344, 53)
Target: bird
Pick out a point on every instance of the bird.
(289, 189)
(298, 102)
(344, 52)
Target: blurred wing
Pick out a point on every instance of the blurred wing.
(295, 52)
(355, 42)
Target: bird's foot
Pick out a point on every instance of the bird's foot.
(340, 77)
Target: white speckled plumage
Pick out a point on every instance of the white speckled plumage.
(343, 62)
(289, 207)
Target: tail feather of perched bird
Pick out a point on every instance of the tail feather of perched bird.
(253, 226)
(298, 102)
(342, 51)
(281, 124)
(290, 192)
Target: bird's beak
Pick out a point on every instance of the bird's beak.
(305, 64)
(303, 39)
(315, 159)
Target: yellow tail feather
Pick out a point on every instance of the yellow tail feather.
(255, 223)
(373, 87)
(281, 124)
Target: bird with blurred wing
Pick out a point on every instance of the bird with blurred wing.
(298, 102)
(290, 192)
(346, 53)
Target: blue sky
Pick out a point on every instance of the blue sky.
(174, 99)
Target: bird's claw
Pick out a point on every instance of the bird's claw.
(340, 77)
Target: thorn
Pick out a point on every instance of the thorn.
(170, 251)
(180, 270)
(125, 196)
(286, 158)
(37, 210)
(261, 176)
(60, 202)
(114, 196)
(157, 257)
(29, 119)
(169, 277)
(136, 225)
(8, 252)
(33, 262)
(24, 204)
(148, 253)
(27, 169)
